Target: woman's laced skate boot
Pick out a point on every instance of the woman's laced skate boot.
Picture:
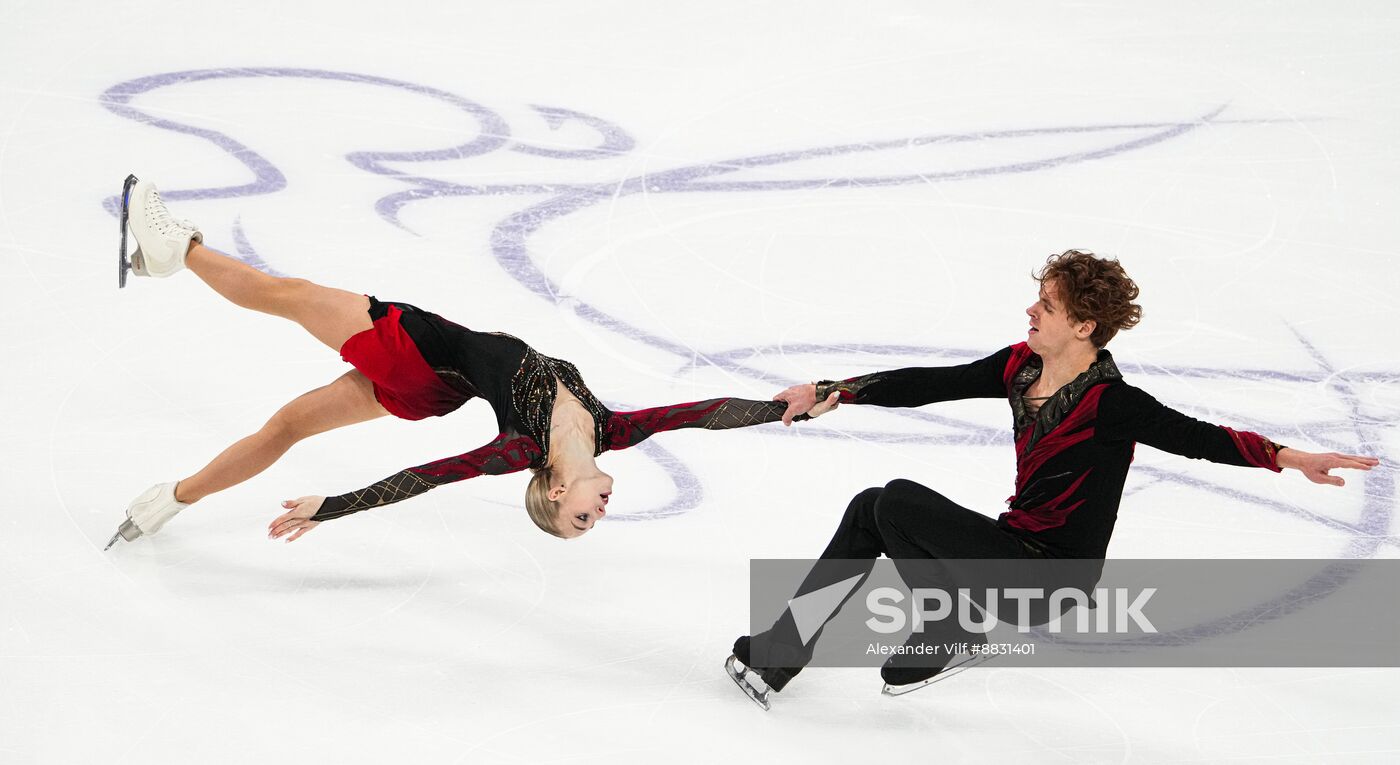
(161, 240)
(148, 513)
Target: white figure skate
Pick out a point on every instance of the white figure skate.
(148, 513)
(161, 240)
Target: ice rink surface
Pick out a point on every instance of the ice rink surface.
(689, 201)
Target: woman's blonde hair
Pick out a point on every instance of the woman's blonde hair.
(543, 511)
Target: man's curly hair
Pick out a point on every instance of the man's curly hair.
(1093, 289)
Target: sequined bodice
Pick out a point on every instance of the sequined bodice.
(533, 394)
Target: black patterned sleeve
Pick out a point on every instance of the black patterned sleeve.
(509, 453)
(631, 428)
(916, 386)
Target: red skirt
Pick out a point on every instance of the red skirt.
(403, 382)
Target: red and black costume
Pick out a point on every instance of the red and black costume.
(423, 365)
(1073, 453)
(1072, 458)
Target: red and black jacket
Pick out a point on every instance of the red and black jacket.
(1072, 455)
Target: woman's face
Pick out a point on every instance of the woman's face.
(582, 504)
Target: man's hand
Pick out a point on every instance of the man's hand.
(1315, 466)
(297, 518)
(800, 400)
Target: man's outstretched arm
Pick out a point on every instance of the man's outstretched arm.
(1128, 413)
(911, 386)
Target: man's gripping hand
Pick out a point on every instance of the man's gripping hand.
(802, 399)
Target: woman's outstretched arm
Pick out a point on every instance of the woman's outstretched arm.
(626, 429)
(508, 453)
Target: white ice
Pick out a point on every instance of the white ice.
(1240, 158)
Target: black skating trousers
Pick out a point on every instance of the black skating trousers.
(919, 529)
(904, 520)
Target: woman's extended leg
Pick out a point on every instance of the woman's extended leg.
(346, 401)
(330, 315)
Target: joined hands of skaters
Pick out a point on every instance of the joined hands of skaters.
(297, 520)
(802, 399)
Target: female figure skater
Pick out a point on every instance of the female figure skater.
(412, 364)
(1075, 423)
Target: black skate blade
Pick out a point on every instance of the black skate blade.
(739, 674)
(967, 662)
(124, 265)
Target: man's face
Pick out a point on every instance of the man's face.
(1052, 331)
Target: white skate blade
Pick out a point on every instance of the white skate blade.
(967, 662)
(123, 264)
(740, 675)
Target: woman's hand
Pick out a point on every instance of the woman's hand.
(297, 520)
(1315, 466)
(823, 407)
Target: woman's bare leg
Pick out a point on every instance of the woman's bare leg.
(330, 315)
(348, 400)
